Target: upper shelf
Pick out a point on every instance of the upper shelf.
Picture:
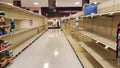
(103, 14)
(3, 4)
(108, 14)
(4, 26)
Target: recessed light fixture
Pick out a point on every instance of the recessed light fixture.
(56, 3)
(36, 3)
(46, 65)
(95, 2)
(56, 53)
(76, 3)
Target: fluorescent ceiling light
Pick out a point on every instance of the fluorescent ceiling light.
(56, 3)
(35, 3)
(46, 65)
(77, 3)
(56, 53)
(95, 2)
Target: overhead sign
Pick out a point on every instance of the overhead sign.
(85, 2)
(52, 4)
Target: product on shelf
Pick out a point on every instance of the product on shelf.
(3, 28)
(12, 24)
(118, 42)
(2, 13)
(3, 31)
(1, 45)
(5, 57)
(4, 44)
(8, 53)
(2, 21)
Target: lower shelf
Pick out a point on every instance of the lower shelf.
(2, 64)
(5, 61)
(103, 56)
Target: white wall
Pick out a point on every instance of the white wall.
(109, 6)
(100, 1)
(106, 6)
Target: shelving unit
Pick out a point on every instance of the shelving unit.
(4, 62)
(108, 43)
(23, 29)
(104, 47)
(3, 45)
(86, 59)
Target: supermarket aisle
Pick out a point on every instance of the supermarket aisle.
(51, 50)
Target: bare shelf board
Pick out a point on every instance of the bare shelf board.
(107, 42)
(99, 58)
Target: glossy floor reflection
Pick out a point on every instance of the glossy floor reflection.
(51, 50)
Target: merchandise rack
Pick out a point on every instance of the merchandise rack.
(18, 44)
(107, 44)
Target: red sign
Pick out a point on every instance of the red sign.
(70, 11)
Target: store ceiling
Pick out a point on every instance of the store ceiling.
(60, 3)
(44, 3)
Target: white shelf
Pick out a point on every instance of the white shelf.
(99, 58)
(107, 42)
(80, 28)
(4, 26)
(102, 14)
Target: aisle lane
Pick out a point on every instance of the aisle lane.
(51, 50)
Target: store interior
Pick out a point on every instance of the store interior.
(86, 30)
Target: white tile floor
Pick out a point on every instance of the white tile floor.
(51, 50)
